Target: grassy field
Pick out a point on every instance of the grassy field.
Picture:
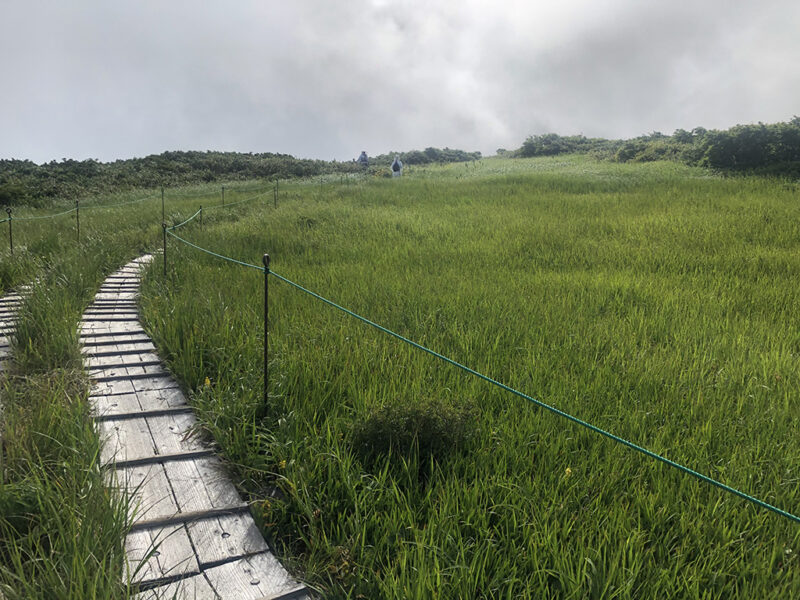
(654, 301)
(61, 531)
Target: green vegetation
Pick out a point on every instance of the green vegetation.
(23, 182)
(61, 530)
(651, 300)
(764, 149)
(654, 300)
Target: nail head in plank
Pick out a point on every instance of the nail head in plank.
(226, 537)
(252, 578)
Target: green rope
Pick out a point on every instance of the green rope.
(45, 216)
(227, 204)
(121, 203)
(33, 218)
(539, 403)
(186, 221)
(232, 260)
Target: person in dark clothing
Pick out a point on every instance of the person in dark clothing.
(397, 167)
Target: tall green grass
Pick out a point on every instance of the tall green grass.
(651, 300)
(61, 527)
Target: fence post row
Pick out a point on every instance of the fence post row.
(10, 234)
(164, 229)
(265, 260)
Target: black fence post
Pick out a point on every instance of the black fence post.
(201, 216)
(265, 260)
(10, 233)
(223, 195)
(78, 220)
(276, 193)
(164, 229)
(163, 218)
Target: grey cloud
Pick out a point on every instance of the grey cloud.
(320, 79)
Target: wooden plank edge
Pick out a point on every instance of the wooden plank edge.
(158, 458)
(186, 517)
(156, 412)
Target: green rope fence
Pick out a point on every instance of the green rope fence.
(33, 218)
(199, 211)
(227, 204)
(552, 409)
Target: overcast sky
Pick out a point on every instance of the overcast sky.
(110, 79)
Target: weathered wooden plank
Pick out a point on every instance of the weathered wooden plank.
(163, 458)
(116, 404)
(116, 296)
(131, 354)
(252, 578)
(191, 588)
(152, 384)
(125, 439)
(138, 414)
(130, 386)
(91, 343)
(106, 388)
(226, 537)
(118, 360)
(162, 398)
(108, 376)
(174, 433)
(88, 337)
(113, 311)
(157, 554)
(201, 484)
(115, 327)
(150, 491)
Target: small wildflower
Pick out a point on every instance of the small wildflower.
(568, 471)
(282, 465)
(207, 382)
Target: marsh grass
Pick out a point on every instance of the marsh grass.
(61, 526)
(651, 300)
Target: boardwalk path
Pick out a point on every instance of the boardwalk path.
(9, 305)
(208, 545)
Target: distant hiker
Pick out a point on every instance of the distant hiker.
(397, 167)
(363, 160)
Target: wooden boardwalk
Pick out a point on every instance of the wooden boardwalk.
(9, 305)
(193, 536)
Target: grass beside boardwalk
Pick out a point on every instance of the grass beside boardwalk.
(651, 300)
(61, 529)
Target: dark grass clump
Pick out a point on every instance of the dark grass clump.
(424, 433)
